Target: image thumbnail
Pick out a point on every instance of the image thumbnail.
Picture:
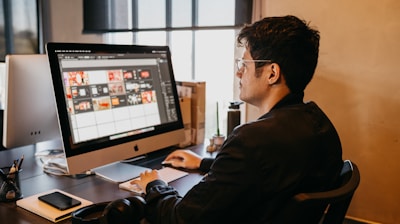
(116, 88)
(82, 106)
(101, 103)
(77, 78)
(128, 75)
(115, 75)
(148, 97)
(132, 87)
(144, 74)
(134, 99)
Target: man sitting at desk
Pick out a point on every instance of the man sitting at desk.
(293, 147)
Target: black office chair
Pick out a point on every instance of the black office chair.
(327, 207)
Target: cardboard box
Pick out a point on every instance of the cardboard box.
(185, 104)
(196, 90)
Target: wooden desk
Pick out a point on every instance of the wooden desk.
(93, 188)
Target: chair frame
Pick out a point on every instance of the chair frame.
(327, 207)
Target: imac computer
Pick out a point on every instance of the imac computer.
(114, 102)
(29, 111)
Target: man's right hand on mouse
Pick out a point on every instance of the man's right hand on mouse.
(184, 159)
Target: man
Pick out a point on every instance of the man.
(291, 148)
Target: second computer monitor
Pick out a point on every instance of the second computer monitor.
(30, 111)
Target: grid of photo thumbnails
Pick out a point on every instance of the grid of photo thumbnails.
(99, 90)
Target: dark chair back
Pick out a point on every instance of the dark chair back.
(327, 207)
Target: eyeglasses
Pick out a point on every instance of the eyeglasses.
(240, 62)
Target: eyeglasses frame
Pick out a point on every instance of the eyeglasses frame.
(240, 62)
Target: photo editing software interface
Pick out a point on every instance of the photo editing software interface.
(116, 95)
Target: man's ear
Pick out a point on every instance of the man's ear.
(275, 75)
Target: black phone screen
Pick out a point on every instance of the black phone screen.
(59, 200)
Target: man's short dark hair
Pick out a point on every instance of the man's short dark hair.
(287, 41)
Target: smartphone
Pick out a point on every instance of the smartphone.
(59, 200)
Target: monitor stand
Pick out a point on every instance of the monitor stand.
(119, 172)
(48, 148)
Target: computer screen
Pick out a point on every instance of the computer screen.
(114, 102)
(29, 111)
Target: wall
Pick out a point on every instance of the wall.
(357, 83)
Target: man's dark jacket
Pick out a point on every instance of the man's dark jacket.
(293, 148)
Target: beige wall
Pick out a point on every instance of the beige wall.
(357, 83)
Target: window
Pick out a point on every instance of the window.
(200, 33)
(18, 33)
(18, 27)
